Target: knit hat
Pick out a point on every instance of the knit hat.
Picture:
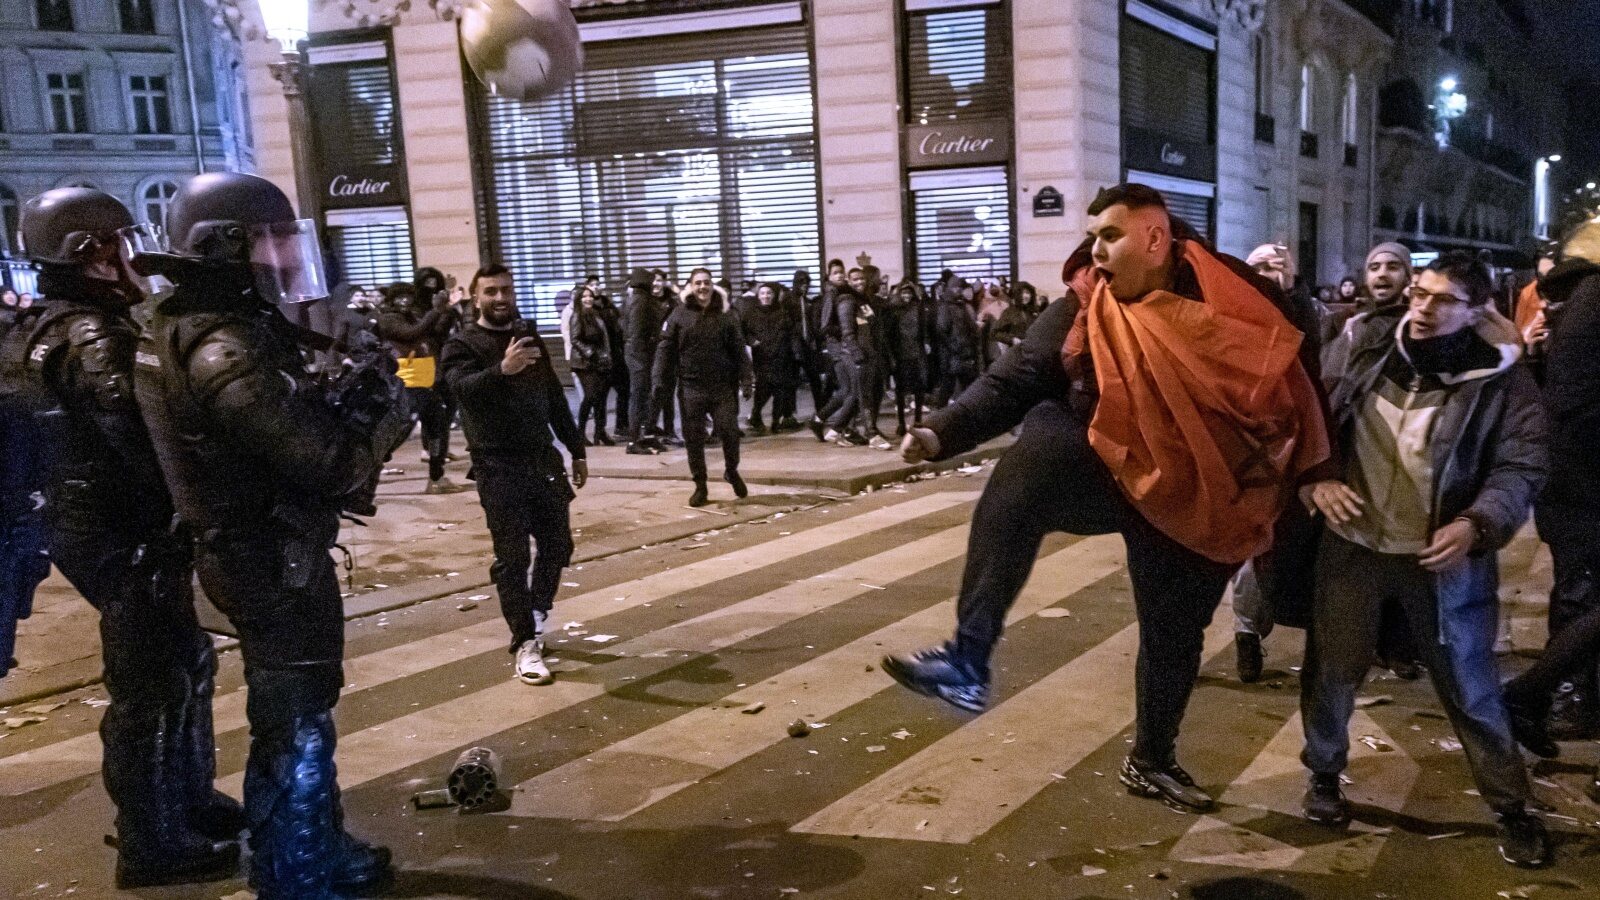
(1391, 248)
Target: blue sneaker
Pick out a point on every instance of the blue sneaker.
(937, 673)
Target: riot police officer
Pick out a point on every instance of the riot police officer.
(260, 462)
(108, 525)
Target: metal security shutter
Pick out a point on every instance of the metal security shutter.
(1166, 84)
(958, 64)
(671, 152)
(962, 221)
(373, 255)
(1196, 211)
(355, 110)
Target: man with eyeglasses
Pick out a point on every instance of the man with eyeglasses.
(1444, 447)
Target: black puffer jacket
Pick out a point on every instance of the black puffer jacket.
(591, 342)
(956, 326)
(705, 346)
(1570, 506)
(773, 335)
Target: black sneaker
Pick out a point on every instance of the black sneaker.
(1248, 657)
(1405, 670)
(937, 673)
(739, 488)
(818, 428)
(1324, 802)
(855, 438)
(1524, 842)
(1170, 782)
(640, 448)
(1528, 727)
(1572, 714)
(699, 497)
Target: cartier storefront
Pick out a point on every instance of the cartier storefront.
(957, 139)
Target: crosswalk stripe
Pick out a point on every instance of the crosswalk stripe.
(41, 767)
(957, 788)
(1270, 788)
(383, 749)
(634, 773)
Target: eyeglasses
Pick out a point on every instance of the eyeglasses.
(1420, 296)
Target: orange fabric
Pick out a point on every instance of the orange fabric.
(1206, 417)
(1529, 303)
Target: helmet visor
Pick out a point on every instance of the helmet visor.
(286, 258)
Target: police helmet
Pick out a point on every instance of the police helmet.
(67, 225)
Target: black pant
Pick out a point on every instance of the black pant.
(523, 500)
(765, 390)
(658, 410)
(1574, 627)
(157, 663)
(869, 395)
(1052, 480)
(909, 393)
(1352, 584)
(621, 383)
(595, 384)
(952, 382)
(434, 416)
(814, 369)
(721, 404)
(642, 409)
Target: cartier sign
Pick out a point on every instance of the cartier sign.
(358, 186)
(958, 143)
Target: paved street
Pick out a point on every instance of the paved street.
(659, 766)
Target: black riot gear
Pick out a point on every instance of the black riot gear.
(261, 455)
(108, 519)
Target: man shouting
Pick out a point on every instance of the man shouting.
(1163, 398)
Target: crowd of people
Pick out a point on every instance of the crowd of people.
(1349, 468)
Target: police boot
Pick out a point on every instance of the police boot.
(299, 846)
(144, 774)
(211, 812)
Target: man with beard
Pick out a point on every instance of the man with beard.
(1388, 274)
(109, 532)
(703, 340)
(1192, 469)
(511, 405)
(261, 462)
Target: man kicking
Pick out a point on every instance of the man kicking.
(1163, 398)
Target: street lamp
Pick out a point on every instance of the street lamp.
(289, 23)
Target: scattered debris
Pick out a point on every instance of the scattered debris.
(1376, 700)
(1376, 744)
(901, 735)
(95, 702)
(24, 721)
(444, 526)
(1054, 612)
(478, 598)
(569, 584)
(798, 728)
(452, 574)
(469, 604)
(599, 638)
(389, 472)
(438, 798)
(876, 748)
(753, 708)
(475, 778)
(1448, 744)
(43, 709)
(873, 587)
(1447, 834)
(1091, 871)
(571, 625)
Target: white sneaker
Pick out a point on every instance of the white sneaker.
(445, 486)
(530, 663)
(878, 443)
(830, 436)
(426, 456)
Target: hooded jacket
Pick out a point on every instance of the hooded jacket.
(1486, 454)
(1570, 506)
(956, 327)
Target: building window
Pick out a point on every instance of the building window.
(962, 222)
(138, 16)
(69, 110)
(1351, 116)
(357, 102)
(1168, 97)
(1308, 111)
(54, 15)
(958, 65)
(154, 201)
(152, 112)
(724, 176)
(9, 212)
(1266, 125)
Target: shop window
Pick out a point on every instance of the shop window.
(1168, 95)
(674, 152)
(1266, 125)
(958, 64)
(962, 222)
(372, 255)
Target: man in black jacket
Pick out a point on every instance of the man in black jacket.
(110, 533)
(806, 312)
(1055, 478)
(646, 310)
(511, 404)
(705, 343)
(1568, 512)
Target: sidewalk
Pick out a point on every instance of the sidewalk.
(420, 547)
